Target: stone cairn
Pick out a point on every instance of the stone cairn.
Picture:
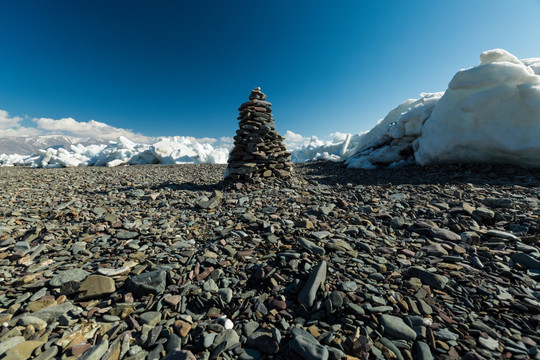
(258, 147)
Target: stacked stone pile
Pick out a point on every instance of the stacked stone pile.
(258, 147)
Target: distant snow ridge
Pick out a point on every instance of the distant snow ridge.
(174, 150)
(489, 113)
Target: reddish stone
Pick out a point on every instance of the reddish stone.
(277, 304)
(182, 328)
(173, 300)
(92, 311)
(446, 318)
(80, 349)
(205, 274)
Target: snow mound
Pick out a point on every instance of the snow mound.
(489, 113)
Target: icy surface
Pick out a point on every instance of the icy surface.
(489, 113)
(174, 150)
(312, 148)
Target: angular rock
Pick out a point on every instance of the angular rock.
(152, 282)
(396, 328)
(309, 291)
(96, 286)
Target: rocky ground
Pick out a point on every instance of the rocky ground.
(149, 262)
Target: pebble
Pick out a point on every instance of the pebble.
(434, 280)
(96, 351)
(9, 343)
(226, 339)
(311, 246)
(95, 286)
(38, 323)
(326, 263)
(226, 295)
(308, 347)
(263, 341)
(151, 318)
(48, 354)
(68, 275)
(395, 327)
(422, 351)
(152, 282)
(316, 278)
(488, 343)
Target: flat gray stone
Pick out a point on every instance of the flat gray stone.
(422, 351)
(152, 282)
(444, 234)
(174, 342)
(48, 354)
(54, 312)
(396, 328)
(446, 335)
(489, 343)
(525, 260)
(229, 337)
(311, 246)
(309, 291)
(226, 294)
(126, 235)
(263, 341)
(434, 280)
(502, 234)
(96, 351)
(389, 344)
(68, 275)
(10, 342)
(210, 286)
(250, 327)
(308, 347)
(348, 286)
(151, 318)
(32, 320)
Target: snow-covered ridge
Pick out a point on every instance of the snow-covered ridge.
(489, 113)
(172, 150)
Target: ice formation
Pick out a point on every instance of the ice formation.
(172, 150)
(175, 150)
(489, 113)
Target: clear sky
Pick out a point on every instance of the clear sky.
(183, 67)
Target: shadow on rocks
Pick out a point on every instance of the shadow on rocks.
(333, 173)
(191, 186)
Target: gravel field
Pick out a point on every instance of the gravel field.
(151, 262)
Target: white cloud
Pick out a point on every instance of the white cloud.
(11, 126)
(7, 122)
(92, 128)
(294, 140)
(20, 131)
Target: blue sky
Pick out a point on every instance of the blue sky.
(165, 68)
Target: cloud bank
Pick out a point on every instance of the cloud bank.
(12, 126)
